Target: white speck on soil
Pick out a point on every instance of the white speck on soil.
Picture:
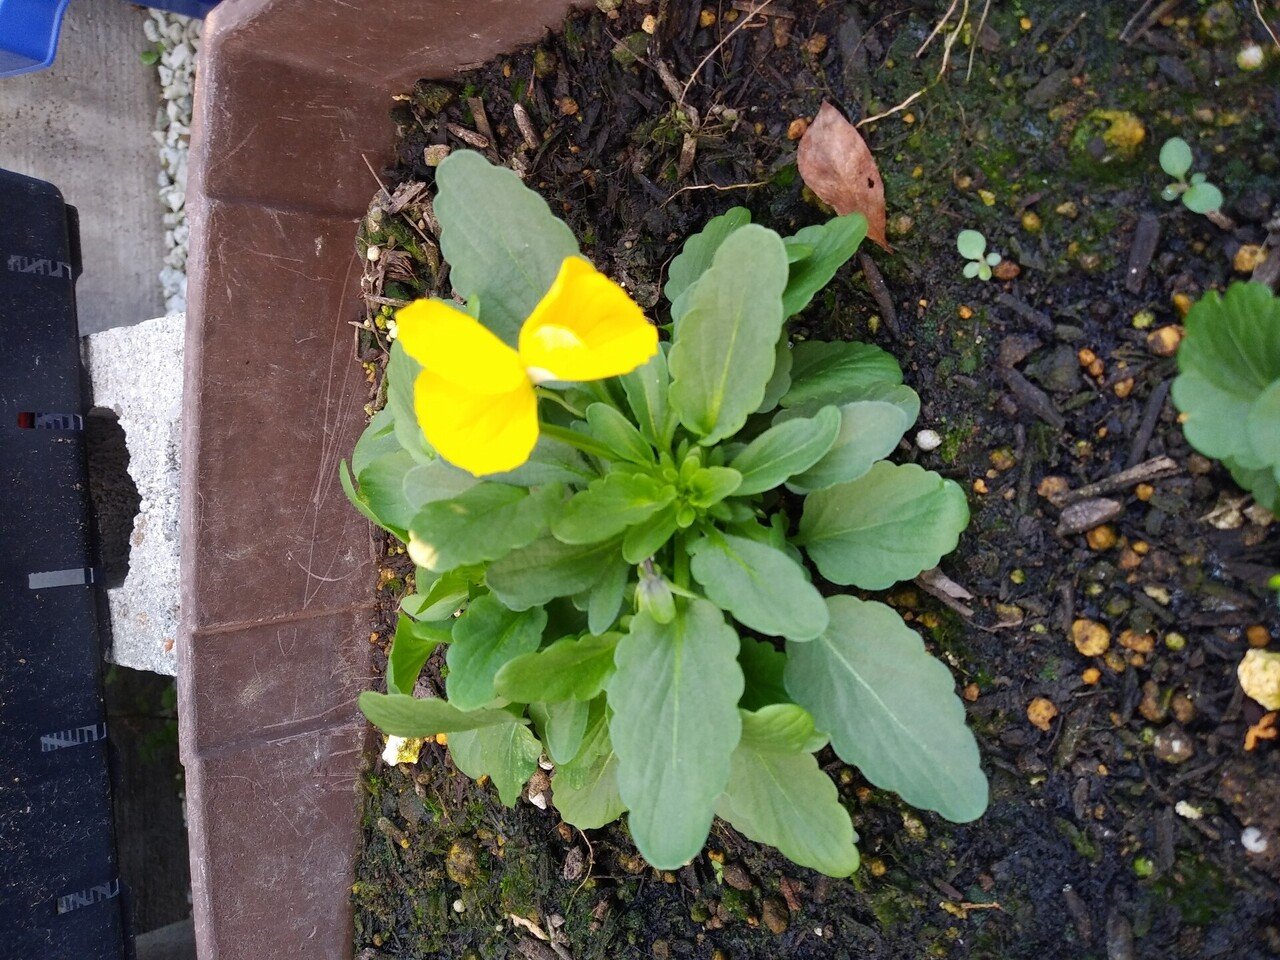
(928, 440)
(1253, 840)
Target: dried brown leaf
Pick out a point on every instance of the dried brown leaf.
(837, 165)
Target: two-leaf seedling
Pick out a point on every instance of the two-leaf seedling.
(1198, 195)
(973, 247)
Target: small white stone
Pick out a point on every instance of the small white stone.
(1184, 809)
(459, 907)
(1249, 57)
(928, 440)
(539, 800)
(373, 253)
(1253, 840)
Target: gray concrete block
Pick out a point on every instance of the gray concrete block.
(136, 372)
(85, 126)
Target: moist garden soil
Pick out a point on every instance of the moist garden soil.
(1115, 824)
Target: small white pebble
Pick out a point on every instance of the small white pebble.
(928, 440)
(1249, 57)
(459, 907)
(539, 800)
(373, 253)
(1184, 809)
(1252, 839)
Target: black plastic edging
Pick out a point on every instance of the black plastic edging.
(60, 891)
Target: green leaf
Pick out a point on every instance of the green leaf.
(546, 569)
(402, 373)
(890, 708)
(723, 353)
(605, 600)
(1202, 198)
(574, 668)
(762, 668)
(675, 724)
(696, 256)
(785, 450)
(646, 390)
(435, 480)
(830, 372)
(562, 726)
(780, 380)
(645, 539)
(1229, 357)
(1263, 427)
(762, 587)
(485, 638)
(507, 754)
(833, 243)
(379, 437)
(869, 431)
(404, 716)
(971, 244)
(777, 794)
(412, 644)
(440, 595)
(552, 461)
(618, 434)
(585, 790)
(353, 495)
(710, 485)
(1175, 157)
(1263, 484)
(382, 489)
(889, 525)
(481, 524)
(610, 505)
(503, 244)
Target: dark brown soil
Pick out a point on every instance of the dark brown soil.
(1087, 849)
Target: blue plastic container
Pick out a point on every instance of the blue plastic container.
(29, 30)
(29, 34)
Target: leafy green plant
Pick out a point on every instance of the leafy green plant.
(973, 247)
(634, 600)
(1228, 385)
(1198, 195)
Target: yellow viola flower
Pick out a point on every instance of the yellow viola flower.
(475, 398)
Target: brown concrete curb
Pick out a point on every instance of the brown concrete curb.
(276, 566)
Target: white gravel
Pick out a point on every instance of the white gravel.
(177, 39)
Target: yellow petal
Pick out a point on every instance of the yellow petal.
(585, 328)
(458, 348)
(481, 432)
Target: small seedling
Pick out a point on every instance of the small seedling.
(973, 247)
(1197, 195)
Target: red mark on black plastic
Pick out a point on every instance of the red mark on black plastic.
(28, 420)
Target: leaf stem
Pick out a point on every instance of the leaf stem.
(680, 561)
(575, 439)
(554, 397)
